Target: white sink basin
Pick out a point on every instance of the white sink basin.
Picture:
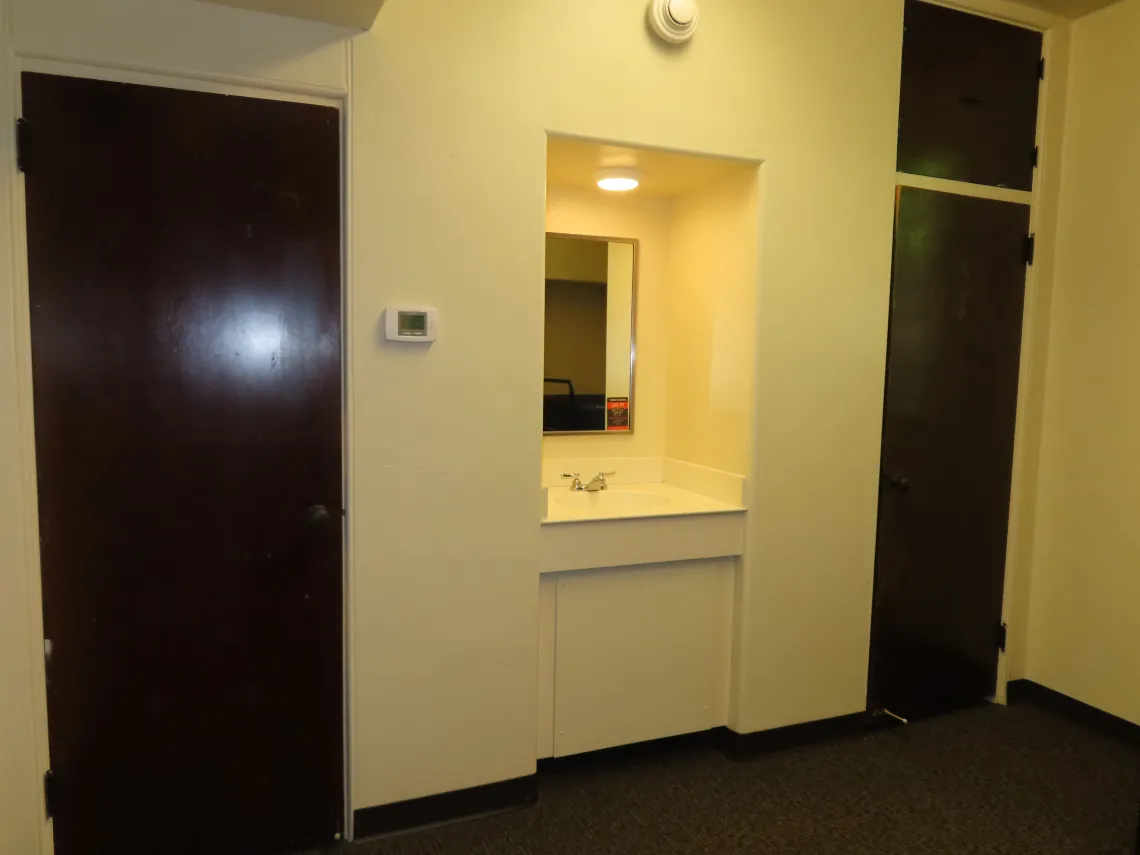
(628, 502)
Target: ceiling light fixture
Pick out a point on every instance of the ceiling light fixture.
(618, 179)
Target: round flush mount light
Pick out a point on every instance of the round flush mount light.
(618, 179)
(674, 21)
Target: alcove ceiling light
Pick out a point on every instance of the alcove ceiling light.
(618, 179)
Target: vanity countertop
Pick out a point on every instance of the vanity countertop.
(629, 501)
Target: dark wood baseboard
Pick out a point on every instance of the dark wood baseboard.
(744, 746)
(1021, 691)
(523, 792)
(737, 746)
(637, 752)
(445, 807)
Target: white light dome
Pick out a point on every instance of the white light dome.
(618, 179)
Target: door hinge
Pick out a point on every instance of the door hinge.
(1041, 68)
(49, 793)
(1002, 636)
(1030, 250)
(22, 145)
(1036, 156)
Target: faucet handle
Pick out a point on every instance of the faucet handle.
(576, 484)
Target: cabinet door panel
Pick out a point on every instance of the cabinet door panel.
(641, 653)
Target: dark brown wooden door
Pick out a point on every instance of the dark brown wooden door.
(184, 255)
(951, 400)
(968, 108)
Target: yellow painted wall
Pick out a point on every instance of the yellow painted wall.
(809, 88)
(1084, 614)
(621, 268)
(572, 349)
(575, 337)
(646, 218)
(713, 296)
(450, 105)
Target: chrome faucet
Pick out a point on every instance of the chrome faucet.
(596, 484)
(576, 485)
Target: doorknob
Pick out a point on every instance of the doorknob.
(317, 515)
(896, 482)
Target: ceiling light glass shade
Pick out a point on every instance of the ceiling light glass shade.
(618, 180)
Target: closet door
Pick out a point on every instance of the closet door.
(184, 258)
(951, 401)
(968, 109)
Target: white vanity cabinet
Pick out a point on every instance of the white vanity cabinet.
(631, 654)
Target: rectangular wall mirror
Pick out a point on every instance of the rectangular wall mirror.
(591, 285)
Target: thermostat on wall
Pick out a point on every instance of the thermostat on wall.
(411, 324)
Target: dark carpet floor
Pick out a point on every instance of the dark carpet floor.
(989, 780)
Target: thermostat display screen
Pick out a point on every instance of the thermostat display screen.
(413, 323)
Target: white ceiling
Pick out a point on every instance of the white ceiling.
(573, 163)
(358, 14)
(1069, 8)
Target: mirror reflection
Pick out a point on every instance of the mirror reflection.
(589, 348)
